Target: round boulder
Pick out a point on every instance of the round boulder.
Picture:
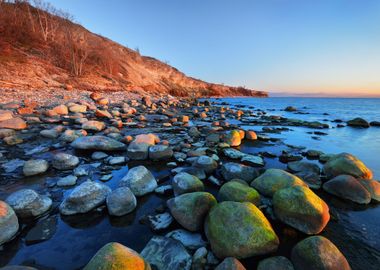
(238, 192)
(140, 180)
(63, 161)
(186, 183)
(35, 166)
(206, 163)
(231, 170)
(121, 202)
(8, 223)
(160, 152)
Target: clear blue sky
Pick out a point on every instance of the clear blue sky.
(305, 46)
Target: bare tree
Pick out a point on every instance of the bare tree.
(79, 51)
(47, 19)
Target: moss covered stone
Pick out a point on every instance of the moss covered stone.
(116, 256)
(301, 208)
(275, 179)
(239, 230)
(238, 192)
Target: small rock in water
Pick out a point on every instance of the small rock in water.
(69, 180)
(98, 143)
(140, 180)
(34, 167)
(160, 221)
(42, 231)
(121, 201)
(185, 183)
(63, 161)
(98, 155)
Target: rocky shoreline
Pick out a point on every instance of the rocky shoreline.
(219, 208)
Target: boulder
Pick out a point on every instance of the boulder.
(121, 201)
(373, 187)
(239, 230)
(250, 135)
(230, 263)
(13, 123)
(290, 109)
(238, 192)
(206, 163)
(301, 208)
(8, 223)
(160, 152)
(345, 163)
(84, 198)
(63, 161)
(138, 149)
(273, 180)
(231, 170)
(347, 187)
(98, 143)
(233, 138)
(190, 209)
(318, 253)
(185, 183)
(35, 166)
(358, 122)
(27, 203)
(164, 253)
(115, 256)
(275, 263)
(140, 180)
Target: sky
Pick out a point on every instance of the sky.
(305, 47)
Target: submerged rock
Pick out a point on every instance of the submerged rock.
(358, 122)
(301, 208)
(164, 253)
(35, 166)
(27, 203)
(345, 163)
(98, 143)
(275, 263)
(84, 198)
(318, 253)
(238, 192)
(121, 202)
(115, 256)
(275, 179)
(230, 224)
(347, 187)
(8, 223)
(190, 209)
(140, 180)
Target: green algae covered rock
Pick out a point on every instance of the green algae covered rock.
(115, 256)
(318, 253)
(239, 230)
(275, 179)
(301, 208)
(238, 192)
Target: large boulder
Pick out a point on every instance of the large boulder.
(8, 223)
(358, 122)
(318, 253)
(64, 161)
(190, 209)
(35, 166)
(160, 152)
(27, 203)
(231, 170)
(233, 138)
(140, 180)
(206, 163)
(99, 143)
(84, 198)
(301, 208)
(345, 163)
(185, 183)
(275, 263)
(238, 191)
(164, 253)
(273, 180)
(239, 230)
(115, 256)
(230, 263)
(373, 187)
(121, 201)
(347, 187)
(138, 149)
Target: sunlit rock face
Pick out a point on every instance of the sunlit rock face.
(8, 223)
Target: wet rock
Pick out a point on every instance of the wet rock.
(6, 132)
(275, 179)
(121, 202)
(206, 163)
(35, 166)
(233, 138)
(140, 180)
(290, 109)
(199, 259)
(190, 240)
(84, 198)
(301, 208)
(233, 153)
(160, 152)
(375, 124)
(13, 123)
(69, 180)
(98, 155)
(8, 223)
(71, 135)
(5, 115)
(358, 122)
(318, 253)
(13, 140)
(64, 161)
(93, 126)
(307, 171)
(116, 160)
(160, 221)
(42, 231)
(231, 263)
(163, 190)
(50, 133)
(347, 187)
(165, 253)
(238, 192)
(12, 165)
(99, 143)
(77, 108)
(190, 209)
(27, 203)
(275, 263)
(232, 170)
(115, 256)
(102, 114)
(230, 224)
(373, 187)
(250, 135)
(138, 149)
(345, 163)
(253, 160)
(185, 183)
